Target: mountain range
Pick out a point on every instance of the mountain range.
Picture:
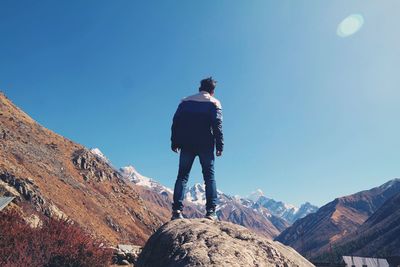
(264, 215)
(52, 176)
(379, 235)
(159, 199)
(315, 234)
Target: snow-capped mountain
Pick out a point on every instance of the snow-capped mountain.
(304, 210)
(288, 212)
(255, 195)
(236, 209)
(99, 154)
(257, 201)
(268, 208)
(131, 174)
(197, 195)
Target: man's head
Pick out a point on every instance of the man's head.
(208, 85)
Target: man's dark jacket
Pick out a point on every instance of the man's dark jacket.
(197, 123)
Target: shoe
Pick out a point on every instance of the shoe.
(176, 214)
(211, 215)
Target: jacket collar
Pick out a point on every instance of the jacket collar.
(204, 93)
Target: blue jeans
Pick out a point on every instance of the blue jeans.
(186, 159)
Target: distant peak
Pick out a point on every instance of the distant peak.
(130, 173)
(237, 197)
(99, 154)
(255, 195)
(390, 183)
(308, 206)
(128, 169)
(259, 191)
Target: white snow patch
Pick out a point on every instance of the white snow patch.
(99, 154)
(254, 196)
(130, 173)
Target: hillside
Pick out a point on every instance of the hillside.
(378, 236)
(313, 234)
(53, 176)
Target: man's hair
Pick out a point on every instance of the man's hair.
(208, 85)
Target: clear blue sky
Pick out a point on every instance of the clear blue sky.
(308, 115)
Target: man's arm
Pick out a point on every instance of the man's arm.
(217, 129)
(174, 128)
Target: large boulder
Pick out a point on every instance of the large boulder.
(201, 242)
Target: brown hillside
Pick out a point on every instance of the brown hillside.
(315, 233)
(53, 176)
(379, 236)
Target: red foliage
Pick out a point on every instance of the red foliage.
(55, 243)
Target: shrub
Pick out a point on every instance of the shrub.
(56, 243)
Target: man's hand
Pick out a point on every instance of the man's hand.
(175, 149)
(218, 153)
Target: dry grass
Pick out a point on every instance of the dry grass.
(55, 243)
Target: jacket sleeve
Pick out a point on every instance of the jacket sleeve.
(217, 127)
(174, 128)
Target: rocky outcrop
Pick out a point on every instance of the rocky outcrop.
(201, 242)
(27, 190)
(93, 168)
(126, 254)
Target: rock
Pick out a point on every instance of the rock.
(201, 242)
(111, 222)
(25, 188)
(125, 248)
(128, 252)
(92, 167)
(33, 220)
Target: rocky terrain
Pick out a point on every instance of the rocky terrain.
(200, 242)
(314, 234)
(52, 176)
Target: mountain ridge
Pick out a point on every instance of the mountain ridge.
(195, 194)
(313, 234)
(378, 236)
(226, 204)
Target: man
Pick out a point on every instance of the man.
(196, 131)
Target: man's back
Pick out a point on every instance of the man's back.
(197, 122)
